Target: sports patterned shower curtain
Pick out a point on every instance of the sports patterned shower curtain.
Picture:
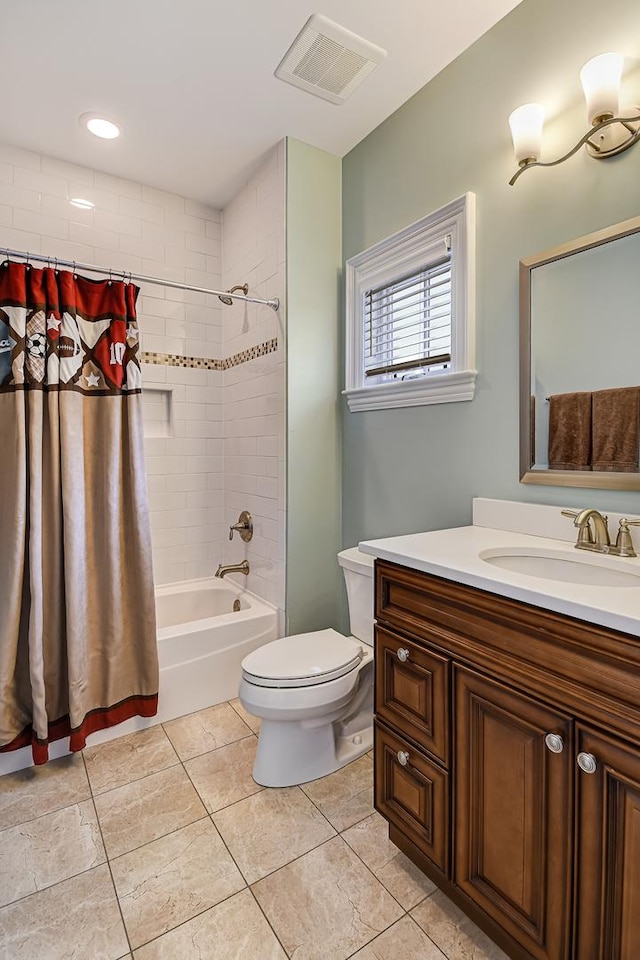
(77, 619)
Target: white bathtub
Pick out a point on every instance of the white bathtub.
(202, 642)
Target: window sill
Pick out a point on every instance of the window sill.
(447, 388)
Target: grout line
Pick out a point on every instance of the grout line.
(121, 786)
(113, 883)
(97, 746)
(226, 806)
(189, 919)
(269, 924)
(246, 736)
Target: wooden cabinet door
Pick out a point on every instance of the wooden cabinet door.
(513, 812)
(412, 793)
(412, 691)
(607, 850)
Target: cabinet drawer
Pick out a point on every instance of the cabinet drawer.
(412, 691)
(413, 796)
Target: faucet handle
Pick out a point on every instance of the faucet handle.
(624, 543)
(244, 526)
(585, 533)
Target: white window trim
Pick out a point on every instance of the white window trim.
(392, 258)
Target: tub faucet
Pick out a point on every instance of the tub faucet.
(223, 569)
(593, 531)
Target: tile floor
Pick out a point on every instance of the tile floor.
(160, 846)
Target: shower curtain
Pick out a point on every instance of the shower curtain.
(77, 619)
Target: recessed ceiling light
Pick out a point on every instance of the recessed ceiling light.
(82, 204)
(100, 126)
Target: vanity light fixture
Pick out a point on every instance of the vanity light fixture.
(612, 130)
(100, 126)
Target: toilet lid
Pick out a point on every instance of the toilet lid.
(302, 660)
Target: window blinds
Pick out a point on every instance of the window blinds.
(407, 324)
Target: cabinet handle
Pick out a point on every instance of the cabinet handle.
(402, 654)
(554, 742)
(587, 762)
(403, 758)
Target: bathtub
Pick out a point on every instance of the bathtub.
(202, 642)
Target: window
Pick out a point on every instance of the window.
(410, 313)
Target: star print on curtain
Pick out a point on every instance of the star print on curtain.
(78, 648)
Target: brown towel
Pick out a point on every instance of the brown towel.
(570, 431)
(616, 429)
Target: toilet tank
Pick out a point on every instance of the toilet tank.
(357, 569)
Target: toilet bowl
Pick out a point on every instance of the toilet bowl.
(314, 691)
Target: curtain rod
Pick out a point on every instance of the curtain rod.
(274, 302)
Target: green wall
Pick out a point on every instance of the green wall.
(415, 469)
(313, 388)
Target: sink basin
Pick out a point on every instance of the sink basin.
(561, 566)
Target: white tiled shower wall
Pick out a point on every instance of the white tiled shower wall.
(138, 228)
(253, 251)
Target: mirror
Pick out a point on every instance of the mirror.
(579, 334)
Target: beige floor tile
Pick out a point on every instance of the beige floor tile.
(224, 776)
(144, 810)
(78, 918)
(455, 934)
(173, 879)
(33, 792)
(124, 759)
(249, 719)
(346, 796)
(271, 828)
(370, 840)
(403, 941)
(326, 904)
(234, 930)
(54, 847)
(206, 730)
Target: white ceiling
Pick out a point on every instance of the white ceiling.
(191, 81)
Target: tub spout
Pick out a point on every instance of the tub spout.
(232, 568)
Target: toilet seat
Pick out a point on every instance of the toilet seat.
(303, 660)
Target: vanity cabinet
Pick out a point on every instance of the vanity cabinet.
(483, 707)
(608, 850)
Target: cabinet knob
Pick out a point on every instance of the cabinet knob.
(587, 762)
(403, 758)
(402, 654)
(554, 742)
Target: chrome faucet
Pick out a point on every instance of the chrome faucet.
(223, 569)
(593, 530)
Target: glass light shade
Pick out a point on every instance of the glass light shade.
(526, 130)
(600, 79)
(100, 127)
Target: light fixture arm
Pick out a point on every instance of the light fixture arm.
(595, 150)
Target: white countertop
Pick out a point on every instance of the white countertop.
(454, 555)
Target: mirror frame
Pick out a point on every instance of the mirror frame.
(609, 480)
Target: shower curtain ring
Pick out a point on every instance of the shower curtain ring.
(110, 277)
(28, 266)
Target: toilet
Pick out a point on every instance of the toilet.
(314, 691)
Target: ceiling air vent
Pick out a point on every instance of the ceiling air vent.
(327, 60)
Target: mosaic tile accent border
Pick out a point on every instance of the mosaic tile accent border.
(203, 363)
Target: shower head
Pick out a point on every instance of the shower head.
(229, 300)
